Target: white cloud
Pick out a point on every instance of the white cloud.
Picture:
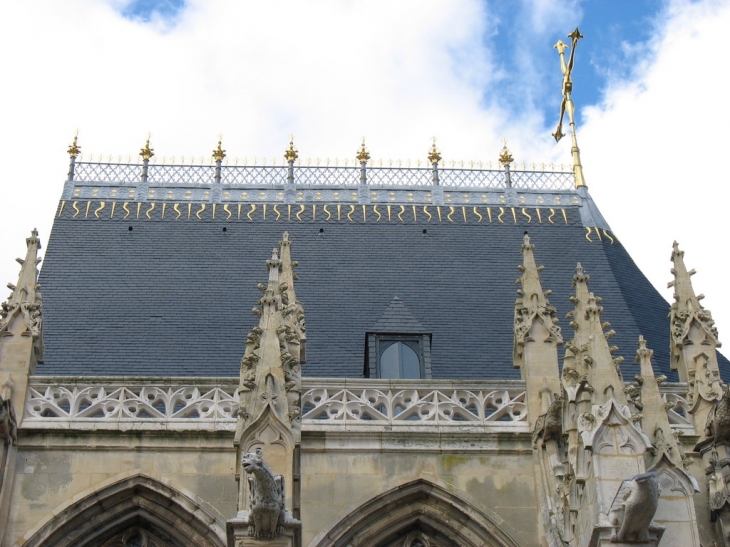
(654, 152)
(331, 71)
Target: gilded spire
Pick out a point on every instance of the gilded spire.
(291, 153)
(505, 158)
(566, 104)
(434, 156)
(219, 153)
(363, 155)
(147, 152)
(74, 149)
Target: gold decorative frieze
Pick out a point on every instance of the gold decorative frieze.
(330, 212)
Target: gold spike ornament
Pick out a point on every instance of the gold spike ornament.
(291, 153)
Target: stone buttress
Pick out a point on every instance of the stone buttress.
(694, 343)
(612, 498)
(536, 340)
(268, 431)
(21, 349)
(666, 457)
(597, 470)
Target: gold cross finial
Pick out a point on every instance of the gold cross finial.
(567, 68)
(363, 155)
(291, 154)
(219, 153)
(566, 105)
(505, 158)
(434, 156)
(74, 150)
(575, 36)
(147, 152)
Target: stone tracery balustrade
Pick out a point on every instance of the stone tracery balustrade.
(152, 403)
(678, 413)
(212, 403)
(415, 404)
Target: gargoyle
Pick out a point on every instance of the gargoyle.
(718, 420)
(266, 495)
(8, 425)
(549, 426)
(634, 507)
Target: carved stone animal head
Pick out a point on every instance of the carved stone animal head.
(651, 475)
(253, 462)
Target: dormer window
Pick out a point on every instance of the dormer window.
(398, 346)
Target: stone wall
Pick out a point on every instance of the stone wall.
(56, 470)
(342, 472)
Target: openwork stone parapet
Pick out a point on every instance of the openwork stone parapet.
(328, 404)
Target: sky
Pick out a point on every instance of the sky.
(650, 84)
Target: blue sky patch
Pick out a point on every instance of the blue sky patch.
(616, 38)
(147, 10)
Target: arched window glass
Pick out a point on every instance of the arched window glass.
(400, 359)
(390, 361)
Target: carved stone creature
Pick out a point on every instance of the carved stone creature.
(266, 519)
(634, 507)
(549, 426)
(7, 421)
(718, 420)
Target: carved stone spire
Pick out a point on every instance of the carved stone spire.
(532, 305)
(666, 457)
(536, 336)
(589, 363)
(25, 299)
(268, 369)
(21, 348)
(654, 419)
(693, 342)
(270, 392)
(21, 325)
(606, 447)
(293, 310)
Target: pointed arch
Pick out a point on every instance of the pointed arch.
(418, 506)
(135, 501)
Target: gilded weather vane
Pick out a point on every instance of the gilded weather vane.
(567, 103)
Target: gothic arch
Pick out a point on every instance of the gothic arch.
(138, 501)
(419, 506)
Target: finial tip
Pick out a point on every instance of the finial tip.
(74, 149)
(434, 156)
(219, 153)
(363, 155)
(291, 153)
(505, 158)
(147, 152)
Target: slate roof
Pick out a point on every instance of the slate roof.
(397, 318)
(153, 296)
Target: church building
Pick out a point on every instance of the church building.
(353, 355)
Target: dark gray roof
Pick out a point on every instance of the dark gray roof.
(398, 318)
(167, 297)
